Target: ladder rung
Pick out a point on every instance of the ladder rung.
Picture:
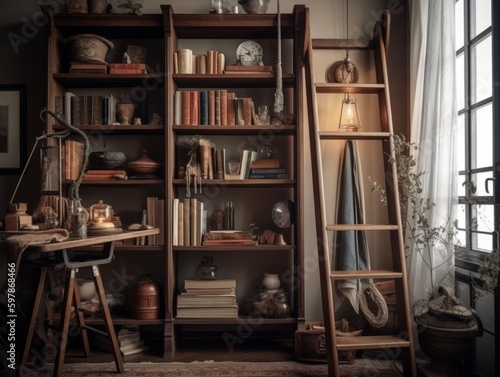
(349, 88)
(338, 135)
(345, 227)
(370, 342)
(365, 274)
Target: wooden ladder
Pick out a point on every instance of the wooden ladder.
(404, 339)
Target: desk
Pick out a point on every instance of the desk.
(71, 292)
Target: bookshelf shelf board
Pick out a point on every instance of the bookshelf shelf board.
(126, 248)
(242, 182)
(253, 80)
(242, 319)
(237, 26)
(258, 248)
(117, 182)
(235, 130)
(119, 129)
(112, 25)
(117, 320)
(101, 80)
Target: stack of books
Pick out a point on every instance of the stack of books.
(208, 299)
(267, 168)
(229, 238)
(129, 341)
(79, 67)
(127, 68)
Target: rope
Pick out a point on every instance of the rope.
(278, 96)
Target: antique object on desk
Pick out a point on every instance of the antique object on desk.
(101, 219)
(16, 217)
(77, 219)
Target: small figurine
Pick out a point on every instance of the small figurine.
(137, 121)
(126, 58)
(156, 119)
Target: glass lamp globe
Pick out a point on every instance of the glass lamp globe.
(100, 215)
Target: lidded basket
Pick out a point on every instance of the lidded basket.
(89, 48)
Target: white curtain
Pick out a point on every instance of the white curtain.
(433, 129)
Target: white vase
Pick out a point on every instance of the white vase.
(271, 282)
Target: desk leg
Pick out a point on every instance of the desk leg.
(107, 319)
(69, 290)
(81, 322)
(36, 307)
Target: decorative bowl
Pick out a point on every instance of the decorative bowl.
(254, 6)
(89, 48)
(144, 165)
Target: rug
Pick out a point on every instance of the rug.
(360, 368)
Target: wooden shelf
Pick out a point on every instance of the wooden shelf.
(242, 182)
(119, 182)
(358, 135)
(235, 129)
(115, 129)
(365, 274)
(350, 88)
(231, 80)
(241, 320)
(258, 248)
(101, 80)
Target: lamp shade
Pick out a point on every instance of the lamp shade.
(349, 116)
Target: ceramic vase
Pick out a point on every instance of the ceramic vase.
(271, 282)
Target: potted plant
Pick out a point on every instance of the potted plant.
(446, 327)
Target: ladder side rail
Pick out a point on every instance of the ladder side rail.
(397, 239)
(320, 215)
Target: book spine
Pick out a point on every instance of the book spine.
(217, 108)
(267, 171)
(211, 107)
(269, 176)
(247, 111)
(175, 222)
(186, 107)
(185, 56)
(178, 112)
(204, 107)
(187, 225)
(194, 107)
(223, 107)
(193, 205)
(180, 214)
(231, 108)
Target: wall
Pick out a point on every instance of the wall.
(26, 63)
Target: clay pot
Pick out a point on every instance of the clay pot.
(125, 112)
(144, 300)
(77, 6)
(97, 6)
(271, 282)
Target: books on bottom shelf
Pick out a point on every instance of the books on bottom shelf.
(208, 298)
(264, 173)
(129, 341)
(229, 238)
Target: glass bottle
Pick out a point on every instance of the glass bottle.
(77, 221)
(280, 305)
(229, 216)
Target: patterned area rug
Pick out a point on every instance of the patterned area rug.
(360, 368)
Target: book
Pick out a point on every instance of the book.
(194, 103)
(201, 64)
(178, 113)
(230, 105)
(187, 223)
(180, 214)
(221, 63)
(73, 159)
(186, 107)
(193, 221)
(269, 176)
(204, 107)
(252, 156)
(175, 222)
(211, 107)
(208, 312)
(265, 163)
(209, 284)
(124, 68)
(266, 171)
(185, 60)
(223, 107)
(248, 69)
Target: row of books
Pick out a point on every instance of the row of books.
(229, 238)
(213, 62)
(189, 219)
(208, 299)
(212, 107)
(253, 167)
(112, 68)
(155, 217)
(80, 110)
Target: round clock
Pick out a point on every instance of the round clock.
(249, 53)
(283, 213)
(338, 73)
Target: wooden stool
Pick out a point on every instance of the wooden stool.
(72, 298)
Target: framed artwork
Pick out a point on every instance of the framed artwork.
(12, 128)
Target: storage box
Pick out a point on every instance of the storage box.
(310, 344)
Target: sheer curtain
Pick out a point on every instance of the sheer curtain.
(433, 129)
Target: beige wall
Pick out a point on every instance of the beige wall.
(28, 65)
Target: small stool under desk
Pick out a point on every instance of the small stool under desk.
(71, 291)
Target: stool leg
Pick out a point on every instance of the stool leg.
(69, 290)
(107, 319)
(34, 315)
(81, 322)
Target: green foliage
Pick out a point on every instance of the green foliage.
(133, 7)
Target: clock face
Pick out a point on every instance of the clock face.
(249, 53)
(284, 213)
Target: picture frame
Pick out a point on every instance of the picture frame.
(12, 128)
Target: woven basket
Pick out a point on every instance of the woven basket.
(89, 48)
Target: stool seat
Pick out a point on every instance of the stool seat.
(72, 263)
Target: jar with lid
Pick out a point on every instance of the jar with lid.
(206, 270)
(280, 304)
(77, 220)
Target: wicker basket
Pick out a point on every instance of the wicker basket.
(89, 48)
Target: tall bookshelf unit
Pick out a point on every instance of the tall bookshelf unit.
(128, 198)
(253, 198)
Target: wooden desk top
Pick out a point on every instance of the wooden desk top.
(71, 243)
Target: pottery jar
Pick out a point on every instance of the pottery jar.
(271, 281)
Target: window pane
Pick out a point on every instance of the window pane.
(482, 142)
(460, 78)
(459, 24)
(482, 74)
(479, 180)
(482, 242)
(483, 215)
(482, 19)
(461, 216)
(461, 144)
(461, 240)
